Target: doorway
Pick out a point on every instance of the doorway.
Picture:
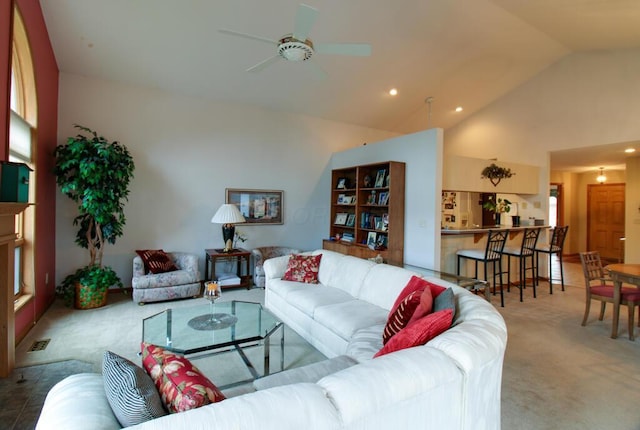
(605, 219)
(556, 204)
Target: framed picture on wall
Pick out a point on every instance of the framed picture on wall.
(258, 206)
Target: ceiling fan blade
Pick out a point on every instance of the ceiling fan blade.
(357, 49)
(264, 63)
(318, 71)
(305, 18)
(248, 36)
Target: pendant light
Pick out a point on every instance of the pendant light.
(602, 178)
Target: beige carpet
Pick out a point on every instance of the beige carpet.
(557, 374)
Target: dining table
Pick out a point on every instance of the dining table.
(621, 273)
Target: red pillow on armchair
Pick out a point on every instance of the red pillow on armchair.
(156, 261)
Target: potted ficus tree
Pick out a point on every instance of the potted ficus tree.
(95, 174)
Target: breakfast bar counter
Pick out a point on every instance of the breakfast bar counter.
(472, 237)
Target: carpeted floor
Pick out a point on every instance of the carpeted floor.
(557, 374)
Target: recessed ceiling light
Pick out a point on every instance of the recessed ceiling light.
(393, 92)
(629, 150)
(459, 109)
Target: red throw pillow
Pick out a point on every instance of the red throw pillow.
(419, 332)
(400, 317)
(181, 385)
(427, 300)
(303, 268)
(414, 284)
(156, 261)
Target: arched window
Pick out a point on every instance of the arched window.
(22, 129)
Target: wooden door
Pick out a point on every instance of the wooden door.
(605, 219)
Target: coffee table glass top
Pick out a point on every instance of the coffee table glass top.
(171, 328)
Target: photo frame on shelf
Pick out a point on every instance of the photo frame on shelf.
(380, 177)
(351, 220)
(260, 207)
(371, 238)
(343, 183)
(341, 199)
(341, 218)
(383, 199)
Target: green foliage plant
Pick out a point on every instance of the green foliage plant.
(496, 173)
(95, 173)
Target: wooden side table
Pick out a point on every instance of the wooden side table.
(239, 255)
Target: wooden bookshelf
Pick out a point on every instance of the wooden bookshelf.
(367, 207)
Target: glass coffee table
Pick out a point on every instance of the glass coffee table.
(180, 330)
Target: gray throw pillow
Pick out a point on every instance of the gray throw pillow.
(445, 300)
(132, 395)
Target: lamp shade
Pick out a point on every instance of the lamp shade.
(228, 214)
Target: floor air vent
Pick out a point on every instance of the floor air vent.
(39, 345)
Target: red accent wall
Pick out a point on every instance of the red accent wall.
(46, 77)
(5, 74)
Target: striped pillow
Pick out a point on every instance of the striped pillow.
(400, 317)
(131, 393)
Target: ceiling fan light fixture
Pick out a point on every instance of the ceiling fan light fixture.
(292, 49)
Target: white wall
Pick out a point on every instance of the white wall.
(585, 99)
(422, 153)
(187, 151)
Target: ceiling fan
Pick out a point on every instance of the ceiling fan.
(297, 46)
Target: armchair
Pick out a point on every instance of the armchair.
(177, 284)
(263, 253)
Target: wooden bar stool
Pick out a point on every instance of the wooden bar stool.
(491, 254)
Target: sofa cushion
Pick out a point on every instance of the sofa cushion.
(132, 394)
(303, 268)
(383, 284)
(156, 260)
(179, 382)
(309, 299)
(364, 344)
(399, 317)
(344, 319)
(310, 373)
(419, 332)
(345, 272)
(167, 279)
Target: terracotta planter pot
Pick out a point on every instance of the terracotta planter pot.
(87, 299)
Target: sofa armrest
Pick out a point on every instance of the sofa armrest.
(138, 267)
(78, 402)
(274, 268)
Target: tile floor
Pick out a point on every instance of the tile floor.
(23, 392)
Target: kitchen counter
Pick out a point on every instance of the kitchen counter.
(474, 237)
(485, 229)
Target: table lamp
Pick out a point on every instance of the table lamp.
(228, 215)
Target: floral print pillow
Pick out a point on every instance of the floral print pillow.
(181, 385)
(303, 268)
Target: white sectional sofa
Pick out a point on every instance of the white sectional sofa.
(452, 382)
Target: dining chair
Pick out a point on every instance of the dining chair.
(525, 251)
(600, 287)
(556, 245)
(492, 254)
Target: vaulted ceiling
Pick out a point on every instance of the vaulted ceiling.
(460, 52)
